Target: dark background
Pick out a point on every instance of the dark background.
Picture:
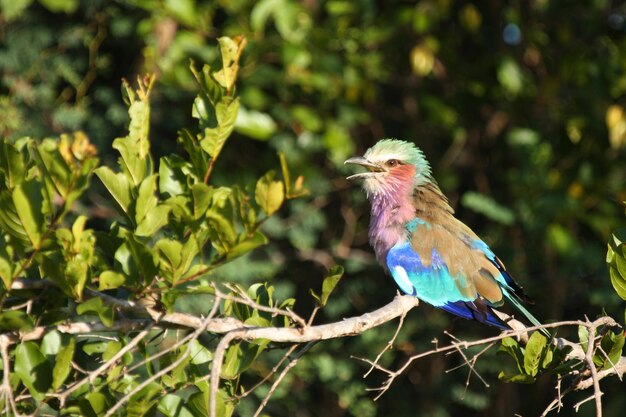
(518, 106)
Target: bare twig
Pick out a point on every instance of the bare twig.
(270, 373)
(389, 344)
(282, 375)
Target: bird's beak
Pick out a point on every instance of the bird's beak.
(359, 160)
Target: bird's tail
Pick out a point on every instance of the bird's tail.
(517, 305)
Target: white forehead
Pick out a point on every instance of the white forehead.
(384, 154)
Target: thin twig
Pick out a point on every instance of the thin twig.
(282, 375)
(158, 375)
(270, 373)
(91, 377)
(389, 344)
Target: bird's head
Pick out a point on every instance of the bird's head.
(391, 163)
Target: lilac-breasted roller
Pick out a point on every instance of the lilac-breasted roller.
(430, 253)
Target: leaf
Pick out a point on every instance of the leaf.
(9, 220)
(201, 194)
(118, 186)
(12, 164)
(173, 171)
(612, 345)
(583, 337)
(28, 202)
(98, 402)
(269, 194)
(213, 138)
(518, 378)
(510, 347)
(248, 244)
(54, 166)
(618, 281)
(15, 320)
(105, 312)
(231, 49)
(33, 369)
(533, 353)
(133, 166)
(488, 207)
(198, 353)
(146, 200)
(6, 263)
(328, 286)
(155, 219)
(172, 405)
(56, 6)
(62, 364)
(110, 279)
(232, 362)
(255, 124)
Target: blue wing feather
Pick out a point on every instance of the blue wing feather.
(431, 282)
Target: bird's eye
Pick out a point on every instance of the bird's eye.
(392, 163)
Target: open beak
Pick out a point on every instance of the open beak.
(359, 160)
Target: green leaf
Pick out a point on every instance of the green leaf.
(173, 172)
(15, 320)
(155, 219)
(118, 186)
(6, 263)
(110, 279)
(13, 9)
(269, 194)
(612, 345)
(583, 337)
(146, 200)
(144, 259)
(57, 6)
(33, 369)
(232, 362)
(28, 202)
(533, 353)
(54, 166)
(199, 403)
(12, 164)
(510, 347)
(255, 124)
(201, 194)
(231, 49)
(488, 207)
(172, 405)
(213, 138)
(198, 353)
(133, 165)
(328, 286)
(518, 378)
(105, 312)
(98, 402)
(618, 281)
(62, 364)
(248, 244)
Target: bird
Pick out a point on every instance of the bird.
(417, 239)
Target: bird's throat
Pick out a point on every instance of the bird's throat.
(390, 213)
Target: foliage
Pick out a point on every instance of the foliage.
(519, 107)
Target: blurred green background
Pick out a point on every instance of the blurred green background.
(519, 106)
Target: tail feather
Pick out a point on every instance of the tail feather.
(527, 315)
